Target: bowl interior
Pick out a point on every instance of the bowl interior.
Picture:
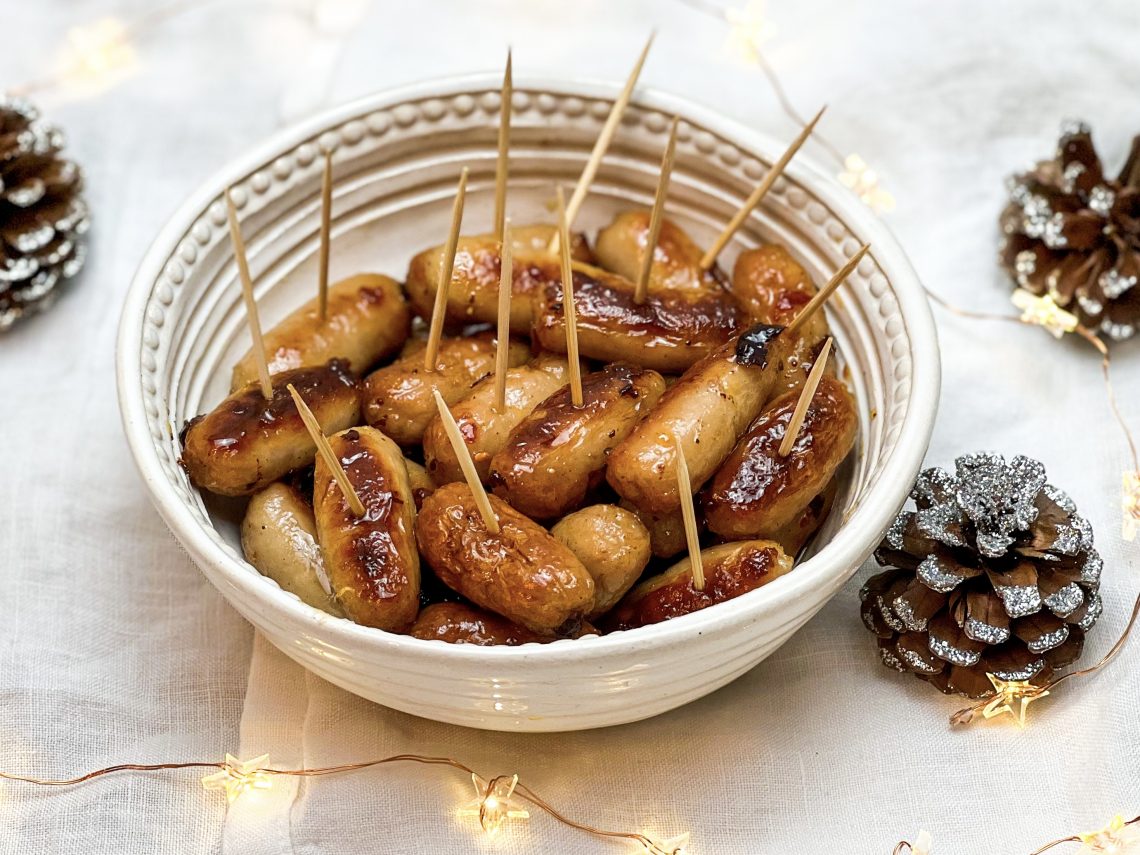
(396, 164)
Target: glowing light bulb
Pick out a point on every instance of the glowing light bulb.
(862, 180)
(96, 52)
(748, 29)
(1012, 697)
(1130, 500)
(1044, 312)
(672, 846)
(240, 776)
(494, 803)
(1116, 838)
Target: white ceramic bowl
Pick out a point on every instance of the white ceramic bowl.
(397, 156)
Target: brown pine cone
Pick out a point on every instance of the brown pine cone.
(994, 572)
(1074, 233)
(42, 214)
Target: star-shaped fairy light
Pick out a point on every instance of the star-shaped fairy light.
(493, 803)
(1012, 697)
(1116, 838)
(923, 844)
(672, 846)
(1043, 311)
(240, 776)
(748, 29)
(1131, 505)
(97, 52)
(863, 181)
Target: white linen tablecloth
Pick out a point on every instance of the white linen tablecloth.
(114, 647)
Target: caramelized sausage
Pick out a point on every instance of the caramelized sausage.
(731, 569)
(772, 288)
(666, 531)
(371, 559)
(707, 410)
(757, 492)
(367, 320)
(247, 443)
(521, 572)
(668, 332)
(279, 538)
(485, 430)
(794, 535)
(459, 623)
(474, 292)
(612, 545)
(676, 259)
(398, 397)
(558, 452)
(420, 482)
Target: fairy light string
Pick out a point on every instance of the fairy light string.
(497, 799)
(1116, 838)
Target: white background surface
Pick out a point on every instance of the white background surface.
(113, 646)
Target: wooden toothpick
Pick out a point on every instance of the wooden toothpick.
(446, 265)
(463, 453)
(327, 453)
(569, 311)
(805, 399)
(502, 163)
(689, 515)
(758, 194)
(609, 129)
(326, 216)
(656, 216)
(503, 342)
(247, 295)
(819, 299)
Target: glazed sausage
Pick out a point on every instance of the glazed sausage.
(420, 482)
(459, 623)
(772, 288)
(521, 573)
(666, 531)
(371, 559)
(794, 535)
(368, 320)
(474, 293)
(731, 569)
(247, 443)
(558, 452)
(668, 332)
(398, 397)
(612, 545)
(676, 259)
(757, 492)
(484, 429)
(279, 538)
(707, 410)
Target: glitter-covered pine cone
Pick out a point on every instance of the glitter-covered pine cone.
(1072, 232)
(42, 214)
(994, 572)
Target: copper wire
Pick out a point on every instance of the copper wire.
(521, 789)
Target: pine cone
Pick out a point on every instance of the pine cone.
(42, 214)
(995, 572)
(1073, 233)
